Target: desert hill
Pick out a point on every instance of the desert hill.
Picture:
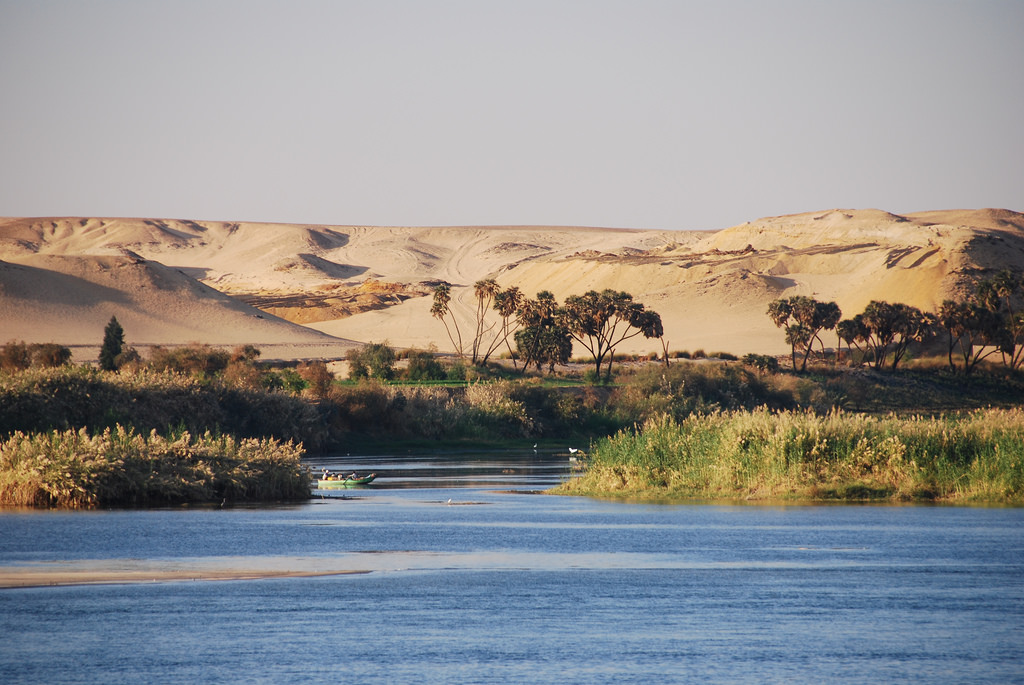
(69, 299)
(344, 283)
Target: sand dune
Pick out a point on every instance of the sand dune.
(168, 281)
(69, 299)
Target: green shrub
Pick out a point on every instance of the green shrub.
(424, 367)
(457, 371)
(283, 379)
(762, 362)
(374, 359)
(193, 360)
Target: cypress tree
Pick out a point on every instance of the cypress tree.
(113, 341)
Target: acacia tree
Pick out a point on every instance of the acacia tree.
(113, 343)
(803, 319)
(601, 320)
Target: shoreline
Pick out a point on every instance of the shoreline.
(794, 499)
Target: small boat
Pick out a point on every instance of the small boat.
(344, 482)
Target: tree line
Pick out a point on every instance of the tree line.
(987, 322)
(543, 330)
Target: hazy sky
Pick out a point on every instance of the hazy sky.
(672, 114)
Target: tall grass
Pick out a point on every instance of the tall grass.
(978, 456)
(119, 466)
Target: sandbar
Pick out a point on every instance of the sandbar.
(33, 577)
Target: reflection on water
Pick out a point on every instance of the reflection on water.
(467, 577)
(513, 469)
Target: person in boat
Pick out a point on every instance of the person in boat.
(353, 476)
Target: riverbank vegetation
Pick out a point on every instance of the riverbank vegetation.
(121, 467)
(198, 389)
(187, 391)
(972, 457)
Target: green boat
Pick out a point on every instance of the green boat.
(343, 482)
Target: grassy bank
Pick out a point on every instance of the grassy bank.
(695, 415)
(973, 457)
(74, 469)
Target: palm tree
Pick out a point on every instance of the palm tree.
(485, 290)
(441, 311)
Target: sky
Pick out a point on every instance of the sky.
(674, 114)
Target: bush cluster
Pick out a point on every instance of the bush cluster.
(72, 397)
(16, 356)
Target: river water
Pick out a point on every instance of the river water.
(467, 576)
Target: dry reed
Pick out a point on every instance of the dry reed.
(76, 469)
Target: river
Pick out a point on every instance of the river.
(463, 574)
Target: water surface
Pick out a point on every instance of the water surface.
(499, 585)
